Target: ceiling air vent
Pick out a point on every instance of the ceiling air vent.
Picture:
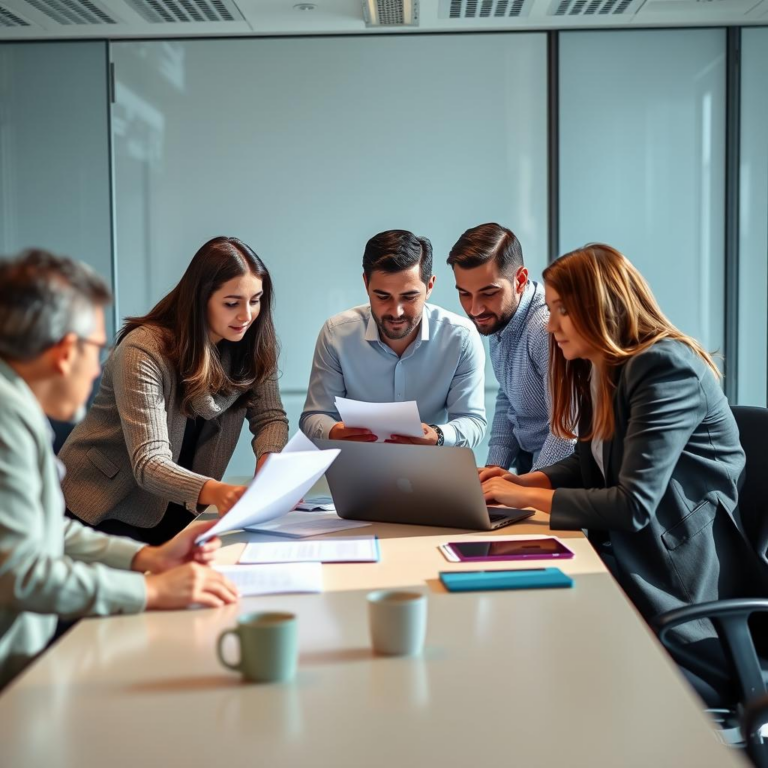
(67, 12)
(484, 9)
(391, 13)
(185, 11)
(593, 7)
(10, 19)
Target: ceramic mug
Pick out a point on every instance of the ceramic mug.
(269, 646)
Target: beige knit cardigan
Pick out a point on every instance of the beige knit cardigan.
(121, 459)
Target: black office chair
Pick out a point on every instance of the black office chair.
(755, 717)
(740, 623)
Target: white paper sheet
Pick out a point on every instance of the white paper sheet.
(383, 419)
(274, 579)
(364, 549)
(298, 525)
(299, 442)
(281, 483)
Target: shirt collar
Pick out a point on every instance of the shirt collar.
(517, 322)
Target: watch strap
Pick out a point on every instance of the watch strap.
(440, 435)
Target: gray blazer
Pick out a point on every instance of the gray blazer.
(49, 565)
(668, 506)
(121, 459)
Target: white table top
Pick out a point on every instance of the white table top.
(531, 678)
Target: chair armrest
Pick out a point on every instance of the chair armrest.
(730, 620)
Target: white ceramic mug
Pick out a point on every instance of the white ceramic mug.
(398, 621)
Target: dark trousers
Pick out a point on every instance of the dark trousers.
(175, 519)
(523, 462)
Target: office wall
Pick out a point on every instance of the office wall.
(54, 151)
(642, 141)
(306, 148)
(753, 200)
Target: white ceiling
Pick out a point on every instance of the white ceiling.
(63, 19)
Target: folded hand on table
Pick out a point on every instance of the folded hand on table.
(179, 574)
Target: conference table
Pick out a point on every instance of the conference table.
(560, 677)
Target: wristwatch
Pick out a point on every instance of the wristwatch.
(440, 435)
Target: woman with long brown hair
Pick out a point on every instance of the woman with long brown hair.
(163, 426)
(656, 470)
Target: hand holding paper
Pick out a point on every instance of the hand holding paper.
(383, 419)
(283, 481)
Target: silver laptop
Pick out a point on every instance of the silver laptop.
(417, 484)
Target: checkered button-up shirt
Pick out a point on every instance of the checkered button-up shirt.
(520, 357)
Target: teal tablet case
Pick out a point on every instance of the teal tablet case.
(529, 578)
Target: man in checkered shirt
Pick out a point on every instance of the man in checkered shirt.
(506, 306)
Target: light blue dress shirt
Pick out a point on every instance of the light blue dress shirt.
(442, 370)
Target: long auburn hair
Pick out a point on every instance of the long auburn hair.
(613, 308)
(183, 313)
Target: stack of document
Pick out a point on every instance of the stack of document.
(280, 484)
(274, 579)
(383, 419)
(352, 550)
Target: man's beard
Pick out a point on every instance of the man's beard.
(393, 334)
(500, 322)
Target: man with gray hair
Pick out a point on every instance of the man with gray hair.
(51, 333)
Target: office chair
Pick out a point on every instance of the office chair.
(734, 620)
(755, 718)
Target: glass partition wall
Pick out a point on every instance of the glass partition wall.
(306, 147)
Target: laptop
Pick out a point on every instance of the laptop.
(415, 484)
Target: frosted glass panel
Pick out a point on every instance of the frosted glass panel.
(54, 151)
(753, 264)
(642, 141)
(306, 148)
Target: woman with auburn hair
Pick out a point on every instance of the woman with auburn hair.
(656, 470)
(163, 426)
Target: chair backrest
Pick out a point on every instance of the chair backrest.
(753, 495)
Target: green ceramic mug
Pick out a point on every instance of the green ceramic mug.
(269, 647)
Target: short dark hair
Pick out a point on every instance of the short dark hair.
(396, 250)
(42, 299)
(477, 246)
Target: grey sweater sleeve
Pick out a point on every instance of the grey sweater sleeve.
(138, 385)
(267, 420)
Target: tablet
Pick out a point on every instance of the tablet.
(518, 549)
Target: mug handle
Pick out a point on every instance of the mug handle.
(220, 650)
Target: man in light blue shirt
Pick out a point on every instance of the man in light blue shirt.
(495, 292)
(399, 348)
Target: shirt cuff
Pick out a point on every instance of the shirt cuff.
(450, 434)
(320, 427)
(125, 592)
